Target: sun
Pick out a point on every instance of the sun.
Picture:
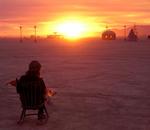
(71, 30)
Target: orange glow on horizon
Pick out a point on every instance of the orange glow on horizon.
(86, 17)
(74, 27)
(71, 29)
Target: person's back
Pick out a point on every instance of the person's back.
(31, 91)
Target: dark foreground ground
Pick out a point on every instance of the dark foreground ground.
(101, 85)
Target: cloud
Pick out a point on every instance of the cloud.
(113, 12)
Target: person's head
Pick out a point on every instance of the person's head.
(34, 68)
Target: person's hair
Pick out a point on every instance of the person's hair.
(34, 69)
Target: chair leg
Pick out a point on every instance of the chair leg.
(46, 111)
(22, 116)
(45, 119)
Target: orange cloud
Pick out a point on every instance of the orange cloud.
(14, 13)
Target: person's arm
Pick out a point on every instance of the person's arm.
(44, 89)
(15, 83)
(18, 86)
(12, 82)
(19, 83)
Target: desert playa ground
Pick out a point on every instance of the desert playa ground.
(100, 85)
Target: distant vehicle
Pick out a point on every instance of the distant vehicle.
(55, 36)
(109, 35)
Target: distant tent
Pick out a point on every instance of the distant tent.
(108, 35)
(132, 36)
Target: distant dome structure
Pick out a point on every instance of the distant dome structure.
(132, 36)
(109, 35)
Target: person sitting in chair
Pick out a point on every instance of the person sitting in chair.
(33, 80)
(32, 91)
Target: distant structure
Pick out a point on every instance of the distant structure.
(148, 37)
(35, 37)
(135, 30)
(108, 35)
(21, 40)
(132, 36)
(125, 32)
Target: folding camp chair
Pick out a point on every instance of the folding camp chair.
(31, 99)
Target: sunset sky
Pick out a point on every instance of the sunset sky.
(47, 15)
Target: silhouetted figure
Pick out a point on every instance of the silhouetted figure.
(31, 83)
(108, 35)
(132, 36)
(33, 92)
